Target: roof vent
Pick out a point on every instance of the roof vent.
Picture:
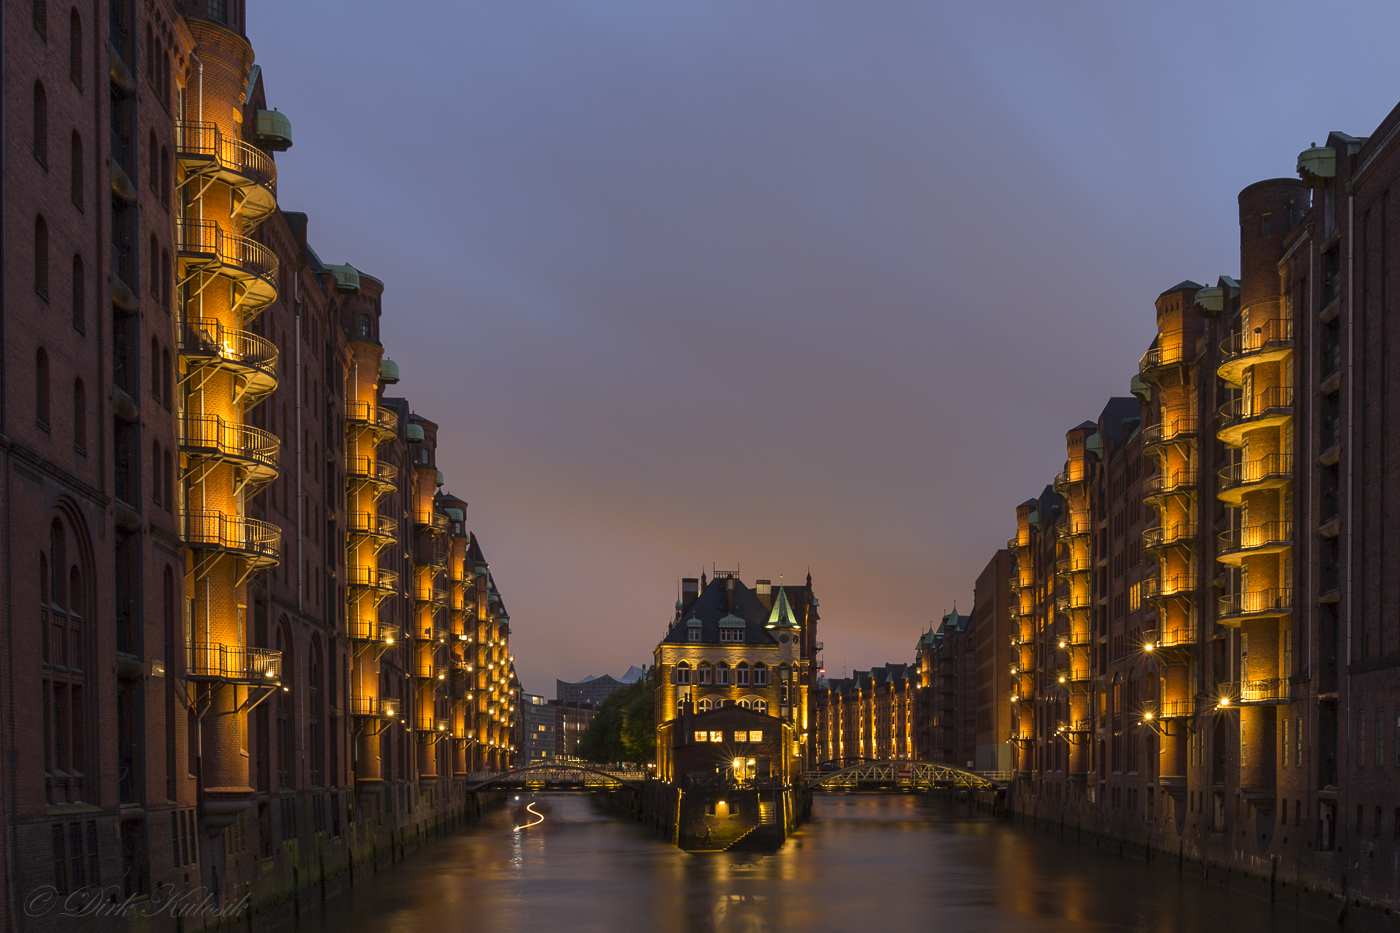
(388, 371)
(414, 433)
(274, 130)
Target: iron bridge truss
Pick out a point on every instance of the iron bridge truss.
(915, 775)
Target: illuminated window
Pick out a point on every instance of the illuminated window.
(702, 736)
(682, 673)
(704, 674)
(1134, 597)
(704, 706)
(760, 706)
(741, 736)
(716, 736)
(756, 735)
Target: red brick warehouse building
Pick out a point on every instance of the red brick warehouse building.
(248, 635)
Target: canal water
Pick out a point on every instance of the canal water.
(863, 863)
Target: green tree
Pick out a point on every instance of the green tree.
(624, 728)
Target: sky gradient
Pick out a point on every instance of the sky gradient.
(781, 286)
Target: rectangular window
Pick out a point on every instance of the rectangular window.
(716, 736)
(702, 736)
(694, 634)
(1380, 737)
(1244, 748)
(741, 736)
(1298, 741)
(1283, 759)
(755, 735)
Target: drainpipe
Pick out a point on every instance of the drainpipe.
(1312, 424)
(1351, 405)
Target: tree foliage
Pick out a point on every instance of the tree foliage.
(624, 728)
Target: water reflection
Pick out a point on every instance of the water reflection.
(863, 862)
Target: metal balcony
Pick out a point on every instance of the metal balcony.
(250, 448)
(1174, 585)
(1239, 479)
(430, 593)
(378, 473)
(374, 707)
(1074, 528)
(383, 583)
(252, 359)
(203, 247)
(1170, 352)
(1256, 604)
(1066, 480)
(1267, 343)
(1171, 709)
(368, 628)
(1068, 564)
(234, 664)
(205, 152)
(382, 529)
(1072, 640)
(434, 522)
(1174, 426)
(1267, 409)
(1177, 637)
(1073, 602)
(1175, 534)
(1163, 485)
(429, 669)
(382, 422)
(1270, 692)
(1074, 676)
(1264, 538)
(259, 543)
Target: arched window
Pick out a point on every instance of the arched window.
(167, 387)
(705, 673)
(155, 267)
(741, 674)
(682, 673)
(79, 417)
(41, 257)
(165, 177)
(722, 673)
(155, 368)
(315, 697)
(680, 705)
(165, 284)
(169, 482)
(744, 702)
(41, 388)
(41, 124)
(364, 325)
(75, 48)
(760, 674)
(153, 173)
(75, 161)
(157, 486)
(79, 295)
(760, 706)
(706, 705)
(65, 700)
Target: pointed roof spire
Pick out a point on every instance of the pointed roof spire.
(782, 615)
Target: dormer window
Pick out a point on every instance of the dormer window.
(693, 634)
(731, 634)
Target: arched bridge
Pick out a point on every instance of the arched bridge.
(914, 775)
(555, 774)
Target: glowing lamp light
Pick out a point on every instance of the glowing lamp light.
(1147, 715)
(738, 762)
(1224, 701)
(1062, 678)
(1062, 642)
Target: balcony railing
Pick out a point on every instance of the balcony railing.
(429, 669)
(1178, 637)
(234, 664)
(374, 707)
(1271, 469)
(1172, 709)
(1266, 536)
(430, 593)
(1175, 424)
(1275, 334)
(373, 578)
(1074, 528)
(1170, 535)
(259, 542)
(1067, 564)
(1262, 408)
(1169, 484)
(1257, 692)
(244, 352)
(1072, 602)
(369, 628)
(212, 436)
(203, 241)
(1274, 601)
(1072, 640)
(1074, 675)
(368, 469)
(1067, 478)
(1177, 584)
(371, 525)
(1170, 351)
(202, 142)
(434, 521)
(375, 417)
(1074, 725)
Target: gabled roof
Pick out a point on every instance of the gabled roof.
(782, 615)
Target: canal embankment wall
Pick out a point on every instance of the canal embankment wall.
(713, 819)
(1324, 883)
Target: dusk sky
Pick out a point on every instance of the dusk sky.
(781, 286)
